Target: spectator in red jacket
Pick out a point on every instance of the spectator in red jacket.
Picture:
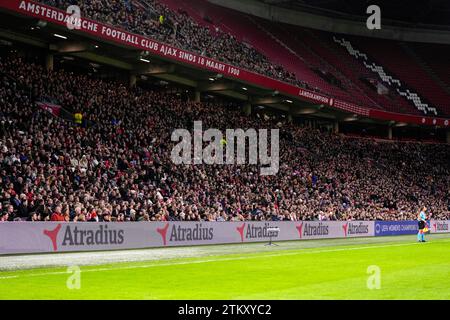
(57, 215)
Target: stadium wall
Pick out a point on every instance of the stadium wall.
(34, 237)
(394, 228)
(118, 36)
(40, 237)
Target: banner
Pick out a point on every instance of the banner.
(393, 228)
(334, 229)
(440, 226)
(124, 38)
(31, 237)
(52, 108)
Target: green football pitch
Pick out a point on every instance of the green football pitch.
(363, 268)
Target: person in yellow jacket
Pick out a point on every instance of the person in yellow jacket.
(78, 118)
(223, 142)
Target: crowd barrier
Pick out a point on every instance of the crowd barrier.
(31, 237)
(394, 228)
(35, 237)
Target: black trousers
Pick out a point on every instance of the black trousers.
(421, 225)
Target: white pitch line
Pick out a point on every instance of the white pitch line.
(209, 260)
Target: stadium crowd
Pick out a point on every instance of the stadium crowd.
(119, 167)
(180, 30)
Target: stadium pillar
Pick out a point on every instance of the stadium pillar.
(197, 96)
(290, 118)
(247, 109)
(390, 133)
(49, 62)
(336, 127)
(132, 80)
(291, 113)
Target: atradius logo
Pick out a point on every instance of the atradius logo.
(355, 228)
(312, 229)
(440, 226)
(178, 233)
(75, 236)
(255, 232)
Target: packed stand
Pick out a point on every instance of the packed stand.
(119, 168)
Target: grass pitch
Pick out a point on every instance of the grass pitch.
(319, 269)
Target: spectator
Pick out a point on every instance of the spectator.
(57, 215)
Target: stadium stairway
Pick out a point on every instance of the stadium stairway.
(314, 58)
(294, 43)
(386, 75)
(354, 69)
(433, 59)
(400, 64)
